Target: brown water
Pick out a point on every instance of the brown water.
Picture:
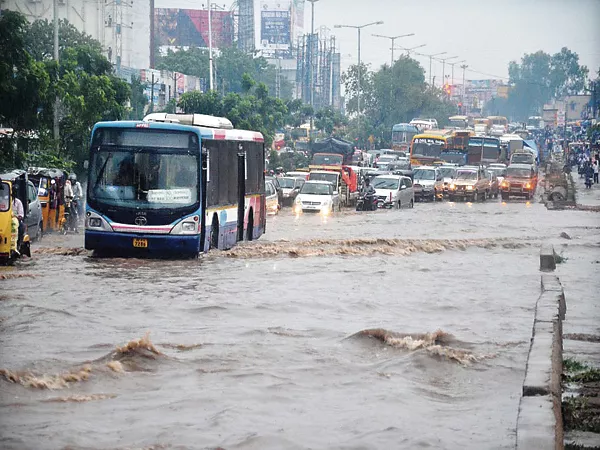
(395, 329)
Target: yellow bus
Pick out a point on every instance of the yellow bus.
(427, 148)
(499, 125)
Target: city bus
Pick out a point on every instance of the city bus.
(402, 135)
(499, 125)
(460, 122)
(173, 185)
(430, 147)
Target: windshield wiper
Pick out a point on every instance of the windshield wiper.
(101, 173)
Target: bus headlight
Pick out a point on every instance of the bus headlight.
(187, 227)
(469, 188)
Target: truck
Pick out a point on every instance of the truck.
(331, 162)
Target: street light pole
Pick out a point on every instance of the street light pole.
(359, 28)
(311, 73)
(56, 128)
(408, 50)
(430, 60)
(210, 49)
(463, 67)
(453, 64)
(393, 39)
(444, 65)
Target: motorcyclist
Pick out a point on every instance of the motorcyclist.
(77, 194)
(367, 190)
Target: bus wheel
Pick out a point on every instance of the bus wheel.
(250, 229)
(214, 233)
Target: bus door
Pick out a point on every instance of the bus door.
(241, 195)
(204, 179)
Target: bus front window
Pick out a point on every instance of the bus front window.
(427, 149)
(138, 178)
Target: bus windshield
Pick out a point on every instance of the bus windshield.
(427, 147)
(140, 178)
(491, 152)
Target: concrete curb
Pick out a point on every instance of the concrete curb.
(539, 423)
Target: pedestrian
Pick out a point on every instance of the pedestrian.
(596, 167)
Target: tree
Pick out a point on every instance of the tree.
(328, 119)
(193, 61)
(139, 100)
(567, 76)
(23, 87)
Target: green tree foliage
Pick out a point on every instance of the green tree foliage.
(230, 65)
(328, 119)
(139, 100)
(391, 95)
(31, 81)
(252, 110)
(540, 77)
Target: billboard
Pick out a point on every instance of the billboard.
(189, 28)
(276, 28)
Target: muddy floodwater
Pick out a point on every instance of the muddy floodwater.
(394, 329)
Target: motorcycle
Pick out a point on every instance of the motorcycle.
(70, 220)
(366, 202)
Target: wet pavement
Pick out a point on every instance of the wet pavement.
(392, 329)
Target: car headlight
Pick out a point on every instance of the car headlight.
(452, 186)
(528, 186)
(469, 188)
(95, 222)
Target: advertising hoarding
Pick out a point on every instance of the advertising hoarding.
(276, 29)
(189, 28)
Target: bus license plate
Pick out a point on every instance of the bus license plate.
(140, 243)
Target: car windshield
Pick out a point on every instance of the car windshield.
(402, 164)
(144, 178)
(518, 172)
(424, 174)
(385, 183)
(287, 183)
(521, 158)
(327, 160)
(331, 177)
(447, 172)
(316, 189)
(466, 175)
(499, 171)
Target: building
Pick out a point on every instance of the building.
(123, 27)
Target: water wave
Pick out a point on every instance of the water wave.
(80, 398)
(363, 247)
(131, 357)
(13, 275)
(46, 381)
(436, 343)
(61, 251)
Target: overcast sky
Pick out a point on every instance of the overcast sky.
(487, 34)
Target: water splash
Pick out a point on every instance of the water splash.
(61, 251)
(80, 398)
(363, 247)
(12, 276)
(45, 381)
(436, 343)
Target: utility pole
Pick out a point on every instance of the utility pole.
(453, 64)
(152, 93)
(210, 49)
(311, 73)
(393, 39)
(444, 65)
(359, 28)
(430, 60)
(464, 68)
(56, 128)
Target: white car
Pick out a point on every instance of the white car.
(394, 191)
(272, 200)
(429, 183)
(317, 196)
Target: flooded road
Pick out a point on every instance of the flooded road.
(394, 329)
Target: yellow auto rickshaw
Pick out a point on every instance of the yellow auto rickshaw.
(50, 185)
(9, 224)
